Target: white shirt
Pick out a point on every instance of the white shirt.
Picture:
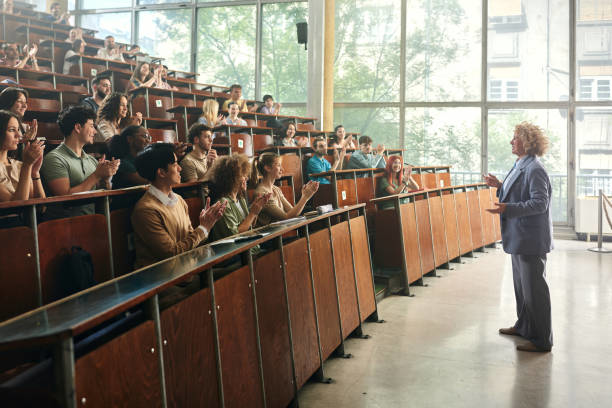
(514, 169)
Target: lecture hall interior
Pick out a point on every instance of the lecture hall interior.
(305, 203)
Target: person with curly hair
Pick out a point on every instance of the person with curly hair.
(112, 116)
(526, 225)
(228, 185)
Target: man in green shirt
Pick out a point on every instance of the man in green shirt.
(68, 169)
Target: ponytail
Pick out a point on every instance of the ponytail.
(259, 165)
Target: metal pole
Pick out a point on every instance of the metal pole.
(600, 247)
(257, 332)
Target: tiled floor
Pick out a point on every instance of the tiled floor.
(441, 348)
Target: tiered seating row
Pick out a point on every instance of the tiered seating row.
(254, 334)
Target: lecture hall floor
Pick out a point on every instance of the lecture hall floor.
(441, 348)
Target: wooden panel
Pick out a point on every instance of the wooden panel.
(463, 223)
(361, 251)
(55, 239)
(346, 192)
(487, 218)
(292, 166)
(158, 106)
(190, 363)
(274, 330)
(122, 373)
(387, 244)
(194, 206)
(411, 242)
(18, 292)
(475, 222)
(238, 340)
(325, 290)
(43, 105)
(450, 223)
(424, 228)
(162, 135)
(444, 179)
(240, 142)
(438, 229)
(121, 231)
(262, 141)
(301, 306)
(366, 191)
(50, 130)
(429, 180)
(496, 219)
(345, 278)
(324, 195)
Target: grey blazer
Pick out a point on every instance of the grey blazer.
(526, 224)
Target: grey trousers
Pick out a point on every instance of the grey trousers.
(532, 299)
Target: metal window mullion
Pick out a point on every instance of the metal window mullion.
(484, 114)
(258, 46)
(194, 39)
(134, 22)
(402, 104)
(571, 119)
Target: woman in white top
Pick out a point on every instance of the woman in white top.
(78, 48)
(112, 116)
(233, 118)
(18, 180)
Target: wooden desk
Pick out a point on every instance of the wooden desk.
(260, 329)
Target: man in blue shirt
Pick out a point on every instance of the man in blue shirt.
(319, 164)
(365, 158)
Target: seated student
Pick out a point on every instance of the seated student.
(8, 7)
(67, 169)
(228, 185)
(269, 107)
(287, 138)
(161, 80)
(11, 57)
(160, 219)
(18, 180)
(15, 100)
(135, 50)
(196, 163)
(236, 97)
(75, 34)
(364, 158)
(210, 114)
(78, 48)
(395, 180)
(319, 164)
(142, 76)
(340, 140)
(110, 50)
(126, 146)
(268, 165)
(112, 116)
(233, 118)
(101, 87)
(57, 16)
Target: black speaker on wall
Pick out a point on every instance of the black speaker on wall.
(302, 34)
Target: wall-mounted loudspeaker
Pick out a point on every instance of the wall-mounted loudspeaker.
(302, 34)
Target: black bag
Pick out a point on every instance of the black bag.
(78, 272)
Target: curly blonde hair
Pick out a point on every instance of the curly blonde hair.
(535, 142)
(226, 173)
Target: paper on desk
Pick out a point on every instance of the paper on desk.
(288, 221)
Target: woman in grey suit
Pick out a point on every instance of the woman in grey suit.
(526, 224)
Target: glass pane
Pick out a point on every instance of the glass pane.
(299, 110)
(116, 24)
(593, 48)
(159, 1)
(226, 47)
(284, 62)
(95, 4)
(594, 151)
(445, 136)
(554, 124)
(381, 124)
(528, 52)
(166, 34)
(367, 51)
(443, 50)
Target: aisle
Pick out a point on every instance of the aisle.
(441, 347)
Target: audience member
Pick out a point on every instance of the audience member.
(11, 57)
(233, 118)
(15, 100)
(78, 48)
(197, 162)
(111, 51)
(228, 185)
(161, 80)
(269, 107)
(126, 146)
(160, 219)
(67, 169)
(210, 114)
(112, 116)
(8, 7)
(135, 50)
(364, 158)
(319, 164)
(288, 138)
(236, 97)
(143, 76)
(101, 87)
(57, 16)
(268, 165)
(397, 179)
(340, 140)
(18, 180)
(75, 34)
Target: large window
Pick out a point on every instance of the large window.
(116, 24)
(381, 124)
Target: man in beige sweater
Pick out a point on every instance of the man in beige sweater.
(160, 218)
(197, 162)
